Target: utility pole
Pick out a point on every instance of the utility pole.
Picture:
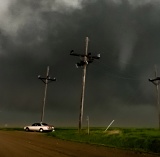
(45, 80)
(85, 59)
(83, 84)
(88, 124)
(156, 82)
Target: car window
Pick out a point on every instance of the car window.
(44, 124)
(36, 124)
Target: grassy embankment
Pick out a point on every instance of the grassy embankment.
(143, 140)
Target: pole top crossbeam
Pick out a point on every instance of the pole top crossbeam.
(46, 79)
(155, 81)
(89, 58)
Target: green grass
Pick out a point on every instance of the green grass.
(144, 140)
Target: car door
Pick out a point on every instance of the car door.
(34, 127)
(38, 126)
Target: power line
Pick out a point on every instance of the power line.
(114, 74)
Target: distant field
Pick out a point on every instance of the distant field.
(141, 140)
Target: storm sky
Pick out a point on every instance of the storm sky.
(37, 34)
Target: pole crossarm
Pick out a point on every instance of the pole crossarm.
(83, 61)
(155, 81)
(47, 79)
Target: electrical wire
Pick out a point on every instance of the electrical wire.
(108, 70)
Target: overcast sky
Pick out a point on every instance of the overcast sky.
(37, 34)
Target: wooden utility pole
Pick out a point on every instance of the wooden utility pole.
(83, 85)
(45, 94)
(86, 59)
(88, 124)
(45, 80)
(156, 82)
(157, 91)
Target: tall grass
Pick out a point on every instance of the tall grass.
(147, 140)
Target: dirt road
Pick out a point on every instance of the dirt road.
(26, 144)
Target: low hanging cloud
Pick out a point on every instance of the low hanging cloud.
(15, 14)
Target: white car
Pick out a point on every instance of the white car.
(41, 127)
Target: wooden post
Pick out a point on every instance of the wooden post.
(83, 85)
(45, 94)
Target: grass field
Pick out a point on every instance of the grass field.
(143, 140)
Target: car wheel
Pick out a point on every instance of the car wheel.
(27, 129)
(40, 130)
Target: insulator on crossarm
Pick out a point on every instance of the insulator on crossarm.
(98, 55)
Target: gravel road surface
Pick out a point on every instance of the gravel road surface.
(32, 144)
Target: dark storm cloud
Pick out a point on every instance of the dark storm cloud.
(35, 34)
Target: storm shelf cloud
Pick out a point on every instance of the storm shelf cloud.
(35, 34)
